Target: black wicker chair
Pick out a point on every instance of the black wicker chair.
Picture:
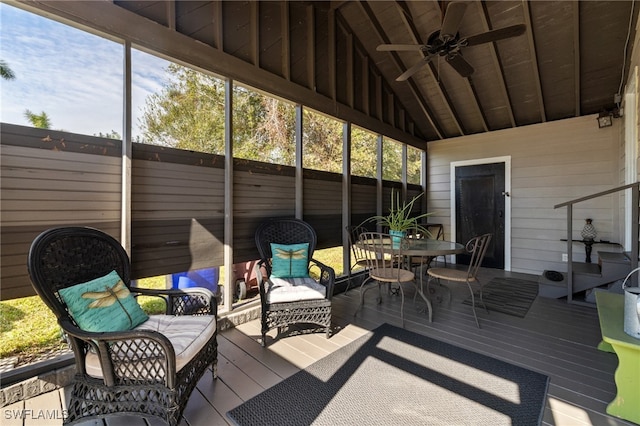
(134, 372)
(281, 313)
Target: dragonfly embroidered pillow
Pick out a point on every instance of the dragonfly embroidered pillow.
(290, 261)
(103, 304)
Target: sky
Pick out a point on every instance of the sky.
(72, 75)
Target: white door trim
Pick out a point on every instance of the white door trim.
(507, 202)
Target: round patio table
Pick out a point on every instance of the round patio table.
(426, 248)
(430, 248)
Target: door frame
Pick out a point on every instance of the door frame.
(507, 202)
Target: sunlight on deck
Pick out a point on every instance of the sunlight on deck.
(450, 368)
(564, 413)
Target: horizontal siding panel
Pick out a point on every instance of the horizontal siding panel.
(321, 197)
(363, 199)
(31, 194)
(27, 160)
(551, 163)
(50, 182)
(263, 195)
(58, 141)
(16, 241)
(177, 214)
(39, 205)
(57, 218)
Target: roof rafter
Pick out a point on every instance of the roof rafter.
(576, 54)
(379, 31)
(405, 15)
(484, 18)
(534, 59)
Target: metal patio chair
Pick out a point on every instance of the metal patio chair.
(385, 265)
(357, 252)
(477, 248)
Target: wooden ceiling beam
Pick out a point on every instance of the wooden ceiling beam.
(285, 31)
(219, 27)
(378, 30)
(576, 55)
(534, 59)
(484, 18)
(405, 15)
(171, 14)
(311, 48)
(255, 33)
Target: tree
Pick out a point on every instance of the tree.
(322, 142)
(188, 113)
(41, 121)
(6, 72)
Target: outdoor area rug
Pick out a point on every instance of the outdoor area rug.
(392, 376)
(512, 296)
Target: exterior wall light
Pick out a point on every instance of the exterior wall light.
(605, 119)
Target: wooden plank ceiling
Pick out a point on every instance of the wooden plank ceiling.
(568, 62)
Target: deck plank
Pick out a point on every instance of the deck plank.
(44, 409)
(13, 414)
(554, 338)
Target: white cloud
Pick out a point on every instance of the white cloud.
(73, 76)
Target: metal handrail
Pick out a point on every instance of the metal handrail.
(634, 228)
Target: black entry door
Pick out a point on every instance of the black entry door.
(480, 209)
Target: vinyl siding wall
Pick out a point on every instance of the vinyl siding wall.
(550, 163)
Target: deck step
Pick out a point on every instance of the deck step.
(611, 266)
(552, 289)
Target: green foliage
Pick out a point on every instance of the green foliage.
(109, 135)
(41, 121)
(364, 148)
(188, 113)
(27, 326)
(399, 217)
(391, 160)
(6, 72)
(331, 256)
(263, 128)
(414, 165)
(322, 139)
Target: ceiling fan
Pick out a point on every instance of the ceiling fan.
(447, 42)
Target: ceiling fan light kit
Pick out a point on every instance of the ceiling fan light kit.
(446, 42)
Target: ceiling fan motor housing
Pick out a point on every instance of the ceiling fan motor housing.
(444, 46)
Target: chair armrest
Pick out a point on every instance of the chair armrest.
(118, 350)
(327, 276)
(261, 278)
(187, 301)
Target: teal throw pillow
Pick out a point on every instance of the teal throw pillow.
(103, 304)
(290, 261)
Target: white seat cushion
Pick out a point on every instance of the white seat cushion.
(188, 335)
(283, 290)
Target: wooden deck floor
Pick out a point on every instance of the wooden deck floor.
(554, 338)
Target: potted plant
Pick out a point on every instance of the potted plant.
(399, 219)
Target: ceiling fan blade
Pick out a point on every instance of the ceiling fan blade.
(459, 64)
(452, 19)
(399, 47)
(495, 35)
(411, 71)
